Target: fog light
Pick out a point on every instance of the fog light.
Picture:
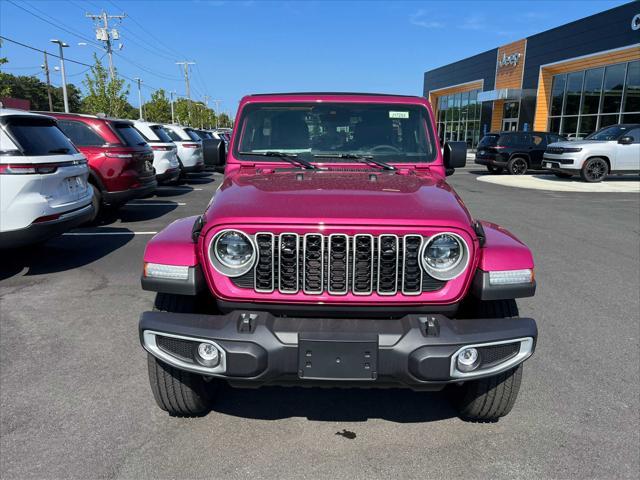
(208, 355)
(468, 360)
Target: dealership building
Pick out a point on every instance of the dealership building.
(571, 80)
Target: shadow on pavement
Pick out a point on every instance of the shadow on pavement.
(172, 191)
(139, 211)
(330, 405)
(62, 253)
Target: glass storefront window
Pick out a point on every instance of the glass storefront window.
(592, 91)
(613, 85)
(632, 91)
(557, 94)
(585, 101)
(459, 117)
(574, 91)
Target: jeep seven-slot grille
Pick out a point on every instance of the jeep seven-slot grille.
(337, 264)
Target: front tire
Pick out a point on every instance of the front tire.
(517, 166)
(488, 399)
(594, 170)
(178, 392)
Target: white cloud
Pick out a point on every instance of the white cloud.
(420, 19)
(474, 22)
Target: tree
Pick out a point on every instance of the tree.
(224, 121)
(106, 95)
(32, 89)
(158, 109)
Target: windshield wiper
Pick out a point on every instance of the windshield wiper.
(358, 158)
(60, 150)
(292, 158)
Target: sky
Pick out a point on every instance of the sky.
(243, 47)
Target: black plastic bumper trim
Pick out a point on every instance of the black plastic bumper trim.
(269, 354)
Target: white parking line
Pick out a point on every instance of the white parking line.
(162, 189)
(82, 234)
(155, 204)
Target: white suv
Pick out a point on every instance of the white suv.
(189, 148)
(165, 158)
(43, 180)
(614, 149)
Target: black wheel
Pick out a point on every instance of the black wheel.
(178, 392)
(517, 166)
(594, 170)
(96, 202)
(562, 175)
(487, 399)
(493, 169)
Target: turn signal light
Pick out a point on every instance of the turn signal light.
(511, 277)
(169, 272)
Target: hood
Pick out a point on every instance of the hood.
(350, 196)
(577, 143)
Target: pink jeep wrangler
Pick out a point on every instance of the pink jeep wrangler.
(335, 254)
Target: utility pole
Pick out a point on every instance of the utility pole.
(217, 102)
(45, 67)
(105, 35)
(139, 81)
(206, 109)
(62, 45)
(186, 64)
(173, 116)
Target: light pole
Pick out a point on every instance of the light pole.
(62, 45)
(139, 81)
(172, 108)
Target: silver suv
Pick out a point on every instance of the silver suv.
(614, 149)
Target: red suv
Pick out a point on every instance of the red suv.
(120, 161)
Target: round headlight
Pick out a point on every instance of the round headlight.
(445, 256)
(233, 253)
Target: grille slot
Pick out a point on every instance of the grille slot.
(338, 261)
(494, 354)
(288, 249)
(264, 275)
(313, 263)
(363, 256)
(411, 270)
(388, 253)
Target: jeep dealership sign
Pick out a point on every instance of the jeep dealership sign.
(509, 60)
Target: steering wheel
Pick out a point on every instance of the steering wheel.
(385, 147)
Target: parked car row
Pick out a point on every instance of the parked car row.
(611, 150)
(59, 170)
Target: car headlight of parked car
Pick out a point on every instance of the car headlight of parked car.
(232, 253)
(445, 256)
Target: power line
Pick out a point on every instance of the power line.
(42, 51)
(58, 25)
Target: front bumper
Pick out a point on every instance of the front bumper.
(417, 351)
(39, 232)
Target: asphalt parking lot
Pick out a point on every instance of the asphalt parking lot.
(75, 400)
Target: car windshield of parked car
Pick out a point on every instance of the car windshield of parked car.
(193, 135)
(161, 133)
(38, 137)
(393, 132)
(489, 141)
(129, 135)
(609, 133)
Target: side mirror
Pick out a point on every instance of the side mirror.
(626, 140)
(455, 156)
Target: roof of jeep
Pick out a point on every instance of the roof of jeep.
(332, 94)
(336, 97)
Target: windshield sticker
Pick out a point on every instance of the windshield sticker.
(398, 114)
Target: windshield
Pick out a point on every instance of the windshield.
(193, 135)
(161, 134)
(609, 133)
(489, 141)
(393, 133)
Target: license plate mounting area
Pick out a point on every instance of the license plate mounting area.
(343, 357)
